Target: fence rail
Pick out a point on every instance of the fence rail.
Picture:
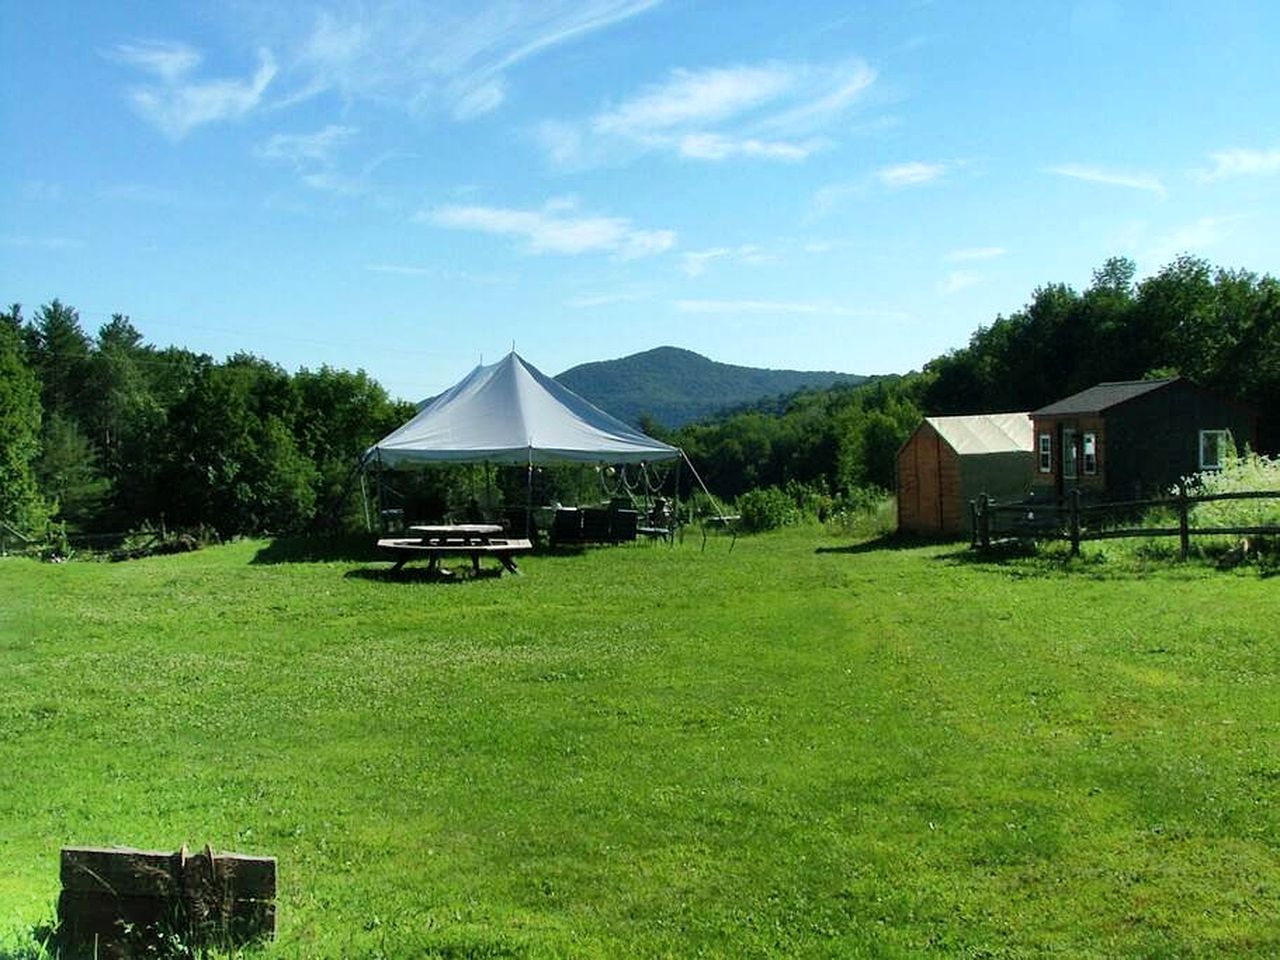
(1071, 520)
(9, 533)
(11, 537)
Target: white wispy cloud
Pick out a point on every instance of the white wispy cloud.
(1241, 162)
(771, 111)
(314, 157)
(41, 243)
(774, 307)
(556, 228)
(437, 273)
(301, 149)
(959, 280)
(426, 56)
(974, 253)
(1196, 237)
(826, 198)
(717, 146)
(1113, 178)
(696, 98)
(175, 101)
(169, 61)
(897, 176)
(399, 270)
(910, 174)
(695, 262)
(590, 301)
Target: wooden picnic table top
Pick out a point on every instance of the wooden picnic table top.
(457, 529)
(415, 545)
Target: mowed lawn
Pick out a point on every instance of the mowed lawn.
(800, 748)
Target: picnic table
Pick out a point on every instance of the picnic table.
(475, 540)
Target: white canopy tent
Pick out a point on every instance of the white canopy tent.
(511, 413)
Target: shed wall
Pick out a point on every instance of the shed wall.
(929, 499)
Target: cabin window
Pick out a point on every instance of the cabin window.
(1069, 454)
(1214, 445)
(1090, 454)
(1046, 453)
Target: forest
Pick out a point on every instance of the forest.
(106, 433)
(1217, 327)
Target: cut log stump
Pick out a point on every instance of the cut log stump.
(124, 901)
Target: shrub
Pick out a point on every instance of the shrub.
(1248, 473)
(864, 512)
(767, 508)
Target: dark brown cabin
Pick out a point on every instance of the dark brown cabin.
(1130, 439)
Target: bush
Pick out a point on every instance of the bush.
(766, 509)
(1239, 474)
(864, 512)
(1248, 473)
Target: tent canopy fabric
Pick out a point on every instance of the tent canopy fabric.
(511, 413)
(985, 432)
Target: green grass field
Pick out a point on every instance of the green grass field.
(800, 748)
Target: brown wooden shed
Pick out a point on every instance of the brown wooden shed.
(949, 461)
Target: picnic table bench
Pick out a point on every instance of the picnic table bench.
(463, 539)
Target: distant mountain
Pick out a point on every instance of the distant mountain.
(676, 386)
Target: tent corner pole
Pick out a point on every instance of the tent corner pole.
(528, 490)
(720, 514)
(364, 500)
(382, 495)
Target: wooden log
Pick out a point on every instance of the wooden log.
(122, 872)
(132, 897)
(85, 916)
(126, 871)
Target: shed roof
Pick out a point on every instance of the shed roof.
(1102, 397)
(985, 432)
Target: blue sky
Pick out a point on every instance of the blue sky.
(411, 187)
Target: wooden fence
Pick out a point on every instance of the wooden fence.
(1070, 519)
(11, 536)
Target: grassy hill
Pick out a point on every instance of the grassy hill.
(803, 748)
(676, 386)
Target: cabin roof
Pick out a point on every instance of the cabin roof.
(1102, 396)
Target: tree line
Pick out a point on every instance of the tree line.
(1217, 327)
(108, 433)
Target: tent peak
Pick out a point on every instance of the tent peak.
(511, 412)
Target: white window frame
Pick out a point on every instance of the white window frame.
(1046, 453)
(1223, 437)
(1089, 453)
(1070, 460)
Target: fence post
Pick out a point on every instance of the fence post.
(984, 507)
(1075, 521)
(973, 523)
(1184, 532)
